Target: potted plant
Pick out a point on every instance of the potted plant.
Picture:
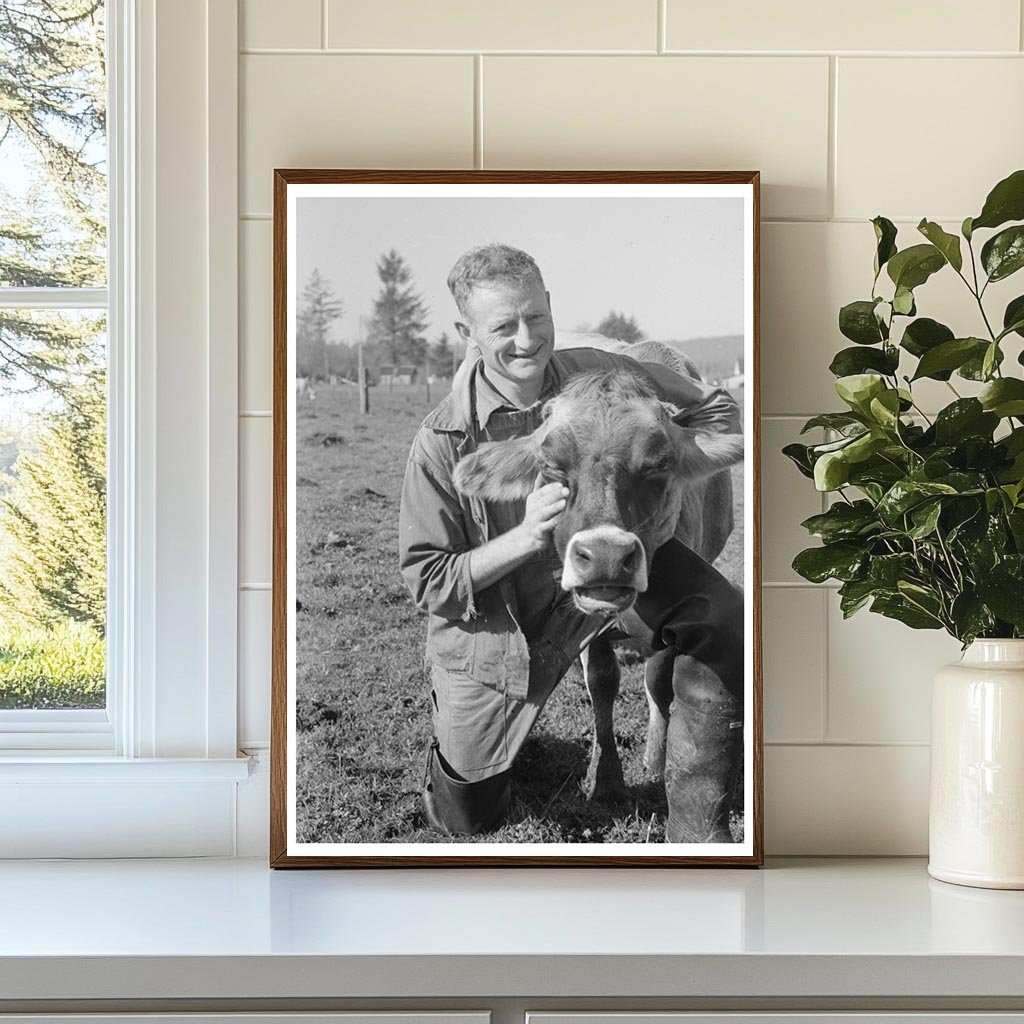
(927, 521)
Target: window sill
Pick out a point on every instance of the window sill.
(78, 767)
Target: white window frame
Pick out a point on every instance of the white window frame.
(170, 730)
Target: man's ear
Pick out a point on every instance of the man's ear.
(704, 452)
(499, 470)
(464, 332)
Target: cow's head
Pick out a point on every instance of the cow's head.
(628, 467)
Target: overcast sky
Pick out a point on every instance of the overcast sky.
(674, 264)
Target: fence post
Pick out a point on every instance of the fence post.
(364, 383)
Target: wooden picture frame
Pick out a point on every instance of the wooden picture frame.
(356, 792)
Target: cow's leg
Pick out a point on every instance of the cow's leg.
(705, 730)
(658, 683)
(604, 779)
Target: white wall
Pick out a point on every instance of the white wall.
(906, 109)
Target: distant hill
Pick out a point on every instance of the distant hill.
(715, 357)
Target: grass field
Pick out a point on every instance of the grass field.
(363, 719)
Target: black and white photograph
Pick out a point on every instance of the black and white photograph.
(516, 562)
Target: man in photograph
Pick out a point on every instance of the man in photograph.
(501, 631)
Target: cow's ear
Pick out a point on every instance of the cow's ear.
(703, 452)
(499, 470)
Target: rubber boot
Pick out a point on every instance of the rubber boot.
(456, 807)
(703, 754)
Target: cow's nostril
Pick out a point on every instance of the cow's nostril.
(629, 562)
(583, 554)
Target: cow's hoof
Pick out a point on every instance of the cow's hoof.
(604, 782)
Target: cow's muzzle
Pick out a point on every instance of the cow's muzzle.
(605, 568)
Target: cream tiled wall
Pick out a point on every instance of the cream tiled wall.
(910, 109)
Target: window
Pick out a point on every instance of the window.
(53, 372)
(153, 761)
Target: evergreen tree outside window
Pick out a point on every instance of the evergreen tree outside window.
(53, 359)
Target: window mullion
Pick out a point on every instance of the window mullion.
(53, 298)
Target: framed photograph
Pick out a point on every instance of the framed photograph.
(516, 555)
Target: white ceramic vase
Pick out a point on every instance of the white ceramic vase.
(976, 814)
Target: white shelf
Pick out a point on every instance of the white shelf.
(233, 929)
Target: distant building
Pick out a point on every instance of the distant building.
(735, 380)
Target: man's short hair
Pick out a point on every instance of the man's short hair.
(493, 262)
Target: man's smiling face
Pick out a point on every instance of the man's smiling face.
(510, 322)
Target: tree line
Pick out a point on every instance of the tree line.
(395, 331)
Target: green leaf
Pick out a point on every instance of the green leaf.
(966, 417)
(857, 360)
(947, 244)
(885, 236)
(903, 302)
(799, 455)
(831, 471)
(949, 355)
(854, 594)
(857, 321)
(842, 521)
(1013, 317)
(885, 571)
(1003, 254)
(924, 334)
(858, 389)
(1004, 397)
(925, 518)
(974, 368)
(840, 561)
(991, 360)
(897, 607)
(912, 267)
(906, 494)
(833, 420)
(885, 409)
(1005, 597)
(970, 617)
(965, 229)
(1005, 202)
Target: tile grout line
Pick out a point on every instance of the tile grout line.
(833, 134)
(768, 55)
(848, 744)
(824, 713)
(478, 111)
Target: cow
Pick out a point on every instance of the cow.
(636, 479)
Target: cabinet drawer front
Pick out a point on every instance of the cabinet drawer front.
(933, 1017)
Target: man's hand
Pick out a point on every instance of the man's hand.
(498, 557)
(543, 507)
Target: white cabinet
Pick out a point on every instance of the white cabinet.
(934, 1017)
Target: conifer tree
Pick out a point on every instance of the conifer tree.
(399, 316)
(621, 327)
(53, 518)
(52, 123)
(318, 309)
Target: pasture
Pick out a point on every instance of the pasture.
(363, 718)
